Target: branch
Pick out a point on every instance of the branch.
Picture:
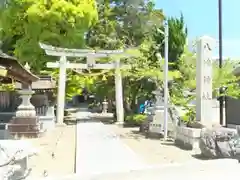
(12, 160)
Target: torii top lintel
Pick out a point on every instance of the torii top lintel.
(58, 51)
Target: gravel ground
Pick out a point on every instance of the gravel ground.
(61, 141)
(152, 151)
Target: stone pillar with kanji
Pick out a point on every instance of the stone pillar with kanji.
(204, 75)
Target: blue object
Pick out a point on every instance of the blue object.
(142, 108)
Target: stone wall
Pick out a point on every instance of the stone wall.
(187, 138)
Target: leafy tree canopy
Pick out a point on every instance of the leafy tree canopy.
(57, 22)
(177, 38)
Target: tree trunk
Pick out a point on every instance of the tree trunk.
(127, 106)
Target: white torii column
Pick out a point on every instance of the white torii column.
(119, 93)
(61, 89)
(63, 65)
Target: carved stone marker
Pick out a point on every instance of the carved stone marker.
(157, 122)
(205, 46)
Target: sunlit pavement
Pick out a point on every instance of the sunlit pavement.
(197, 170)
(99, 150)
(101, 155)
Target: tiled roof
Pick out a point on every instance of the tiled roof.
(16, 69)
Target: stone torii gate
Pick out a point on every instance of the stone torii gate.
(63, 64)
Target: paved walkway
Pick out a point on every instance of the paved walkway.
(99, 150)
(215, 169)
(101, 155)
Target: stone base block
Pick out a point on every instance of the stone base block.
(187, 137)
(20, 127)
(48, 123)
(156, 124)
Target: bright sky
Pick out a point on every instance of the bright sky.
(201, 17)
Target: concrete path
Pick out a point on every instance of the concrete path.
(198, 170)
(99, 150)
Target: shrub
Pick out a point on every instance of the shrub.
(139, 118)
(135, 119)
(92, 105)
(189, 116)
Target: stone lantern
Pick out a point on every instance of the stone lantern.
(25, 123)
(159, 106)
(156, 119)
(26, 109)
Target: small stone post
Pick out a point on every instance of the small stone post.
(105, 106)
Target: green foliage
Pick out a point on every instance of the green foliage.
(74, 84)
(92, 105)
(187, 67)
(221, 77)
(225, 78)
(7, 87)
(121, 25)
(103, 34)
(187, 82)
(143, 68)
(135, 119)
(135, 25)
(57, 22)
(190, 115)
(177, 38)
